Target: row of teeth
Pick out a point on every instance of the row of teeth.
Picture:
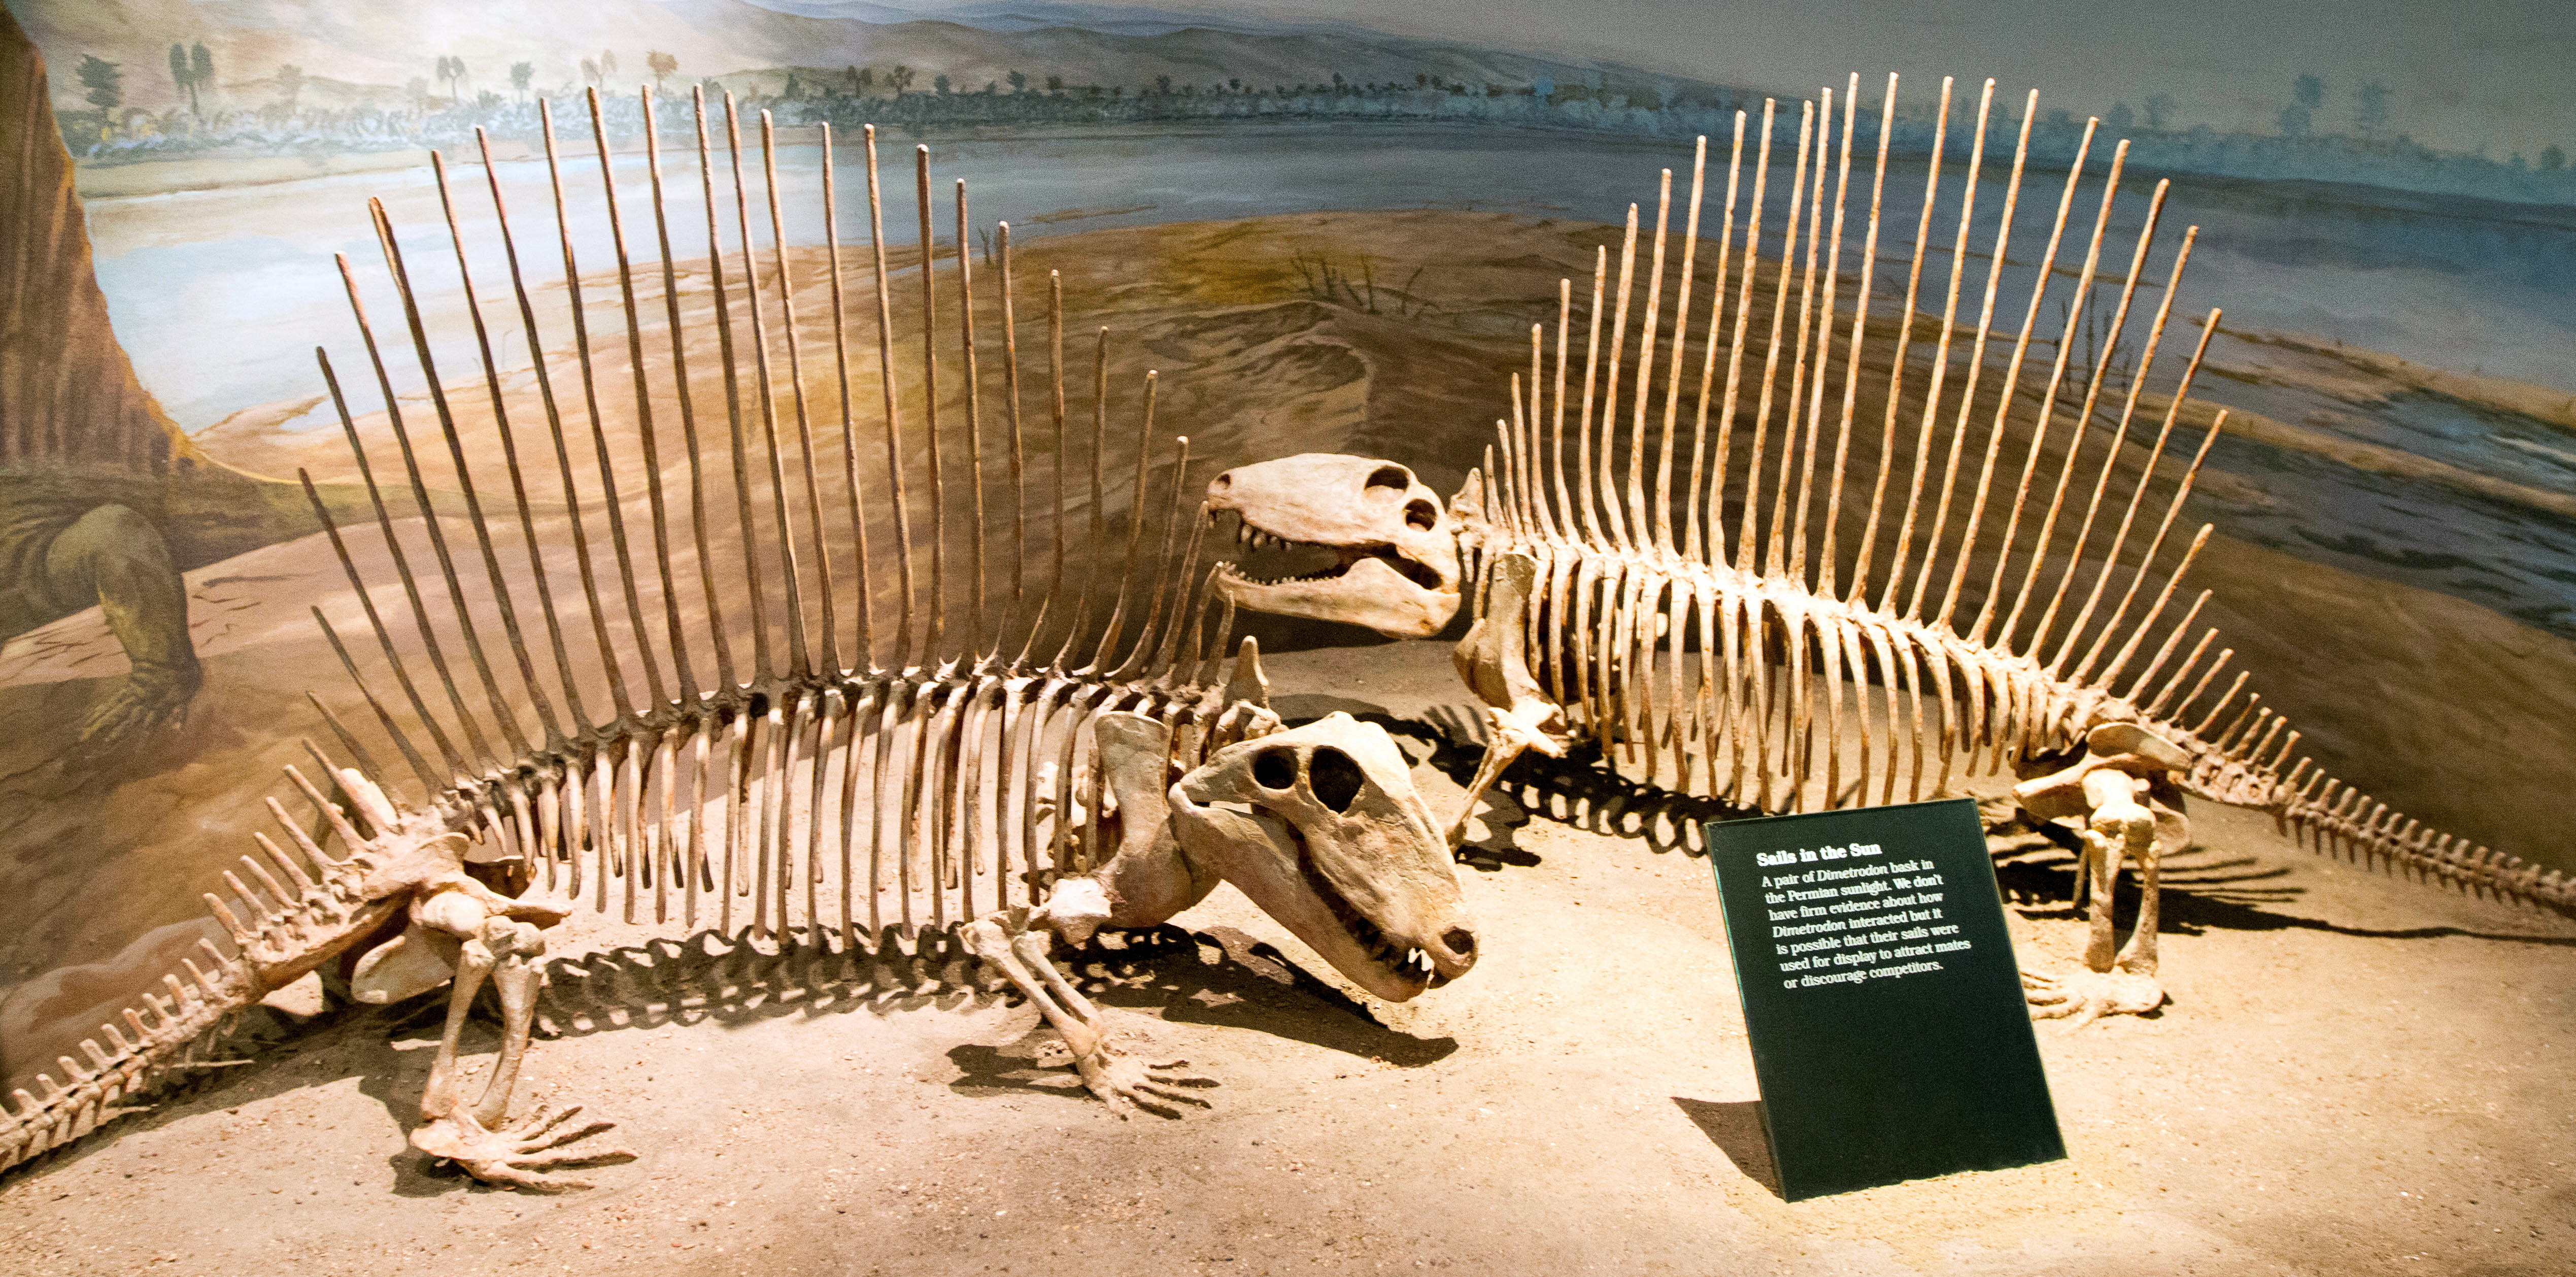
(1408, 962)
(1326, 574)
(1404, 961)
(1252, 538)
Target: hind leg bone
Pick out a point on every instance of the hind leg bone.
(474, 1135)
(2115, 981)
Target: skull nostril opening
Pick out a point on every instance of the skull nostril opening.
(1421, 515)
(1221, 482)
(1460, 941)
(1390, 476)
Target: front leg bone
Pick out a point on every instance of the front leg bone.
(1493, 660)
(1146, 881)
(1101, 1051)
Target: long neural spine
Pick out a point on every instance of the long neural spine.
(1771, 639)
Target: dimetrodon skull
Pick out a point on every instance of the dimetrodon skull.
(1393, 550)
(1321, 827)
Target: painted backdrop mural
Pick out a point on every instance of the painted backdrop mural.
(1334, 221)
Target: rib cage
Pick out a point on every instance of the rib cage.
(1726, 666)
(906, 744)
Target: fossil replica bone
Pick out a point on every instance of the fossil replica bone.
(1986, 612)
(1322, 829)
(1396, 555)
(829, 722)
(459, 932)
(1493, 660)
(404, 874)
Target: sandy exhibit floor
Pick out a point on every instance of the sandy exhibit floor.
(2356, 1075)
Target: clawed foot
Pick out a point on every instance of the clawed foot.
(521, 1154)
(2086, 996)
(136, 709)
(1115, 1069)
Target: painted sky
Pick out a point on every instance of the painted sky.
(2492, 74)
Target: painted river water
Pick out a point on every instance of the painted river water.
(222, 294)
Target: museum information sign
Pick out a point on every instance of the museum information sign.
(1885, 1010)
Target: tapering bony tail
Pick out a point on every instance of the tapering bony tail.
(286, 915)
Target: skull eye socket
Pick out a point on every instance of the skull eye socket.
(1274, 770)
(1395, 477)
(1420, 515)
(1336, 779)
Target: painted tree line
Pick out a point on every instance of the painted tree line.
(268, 115)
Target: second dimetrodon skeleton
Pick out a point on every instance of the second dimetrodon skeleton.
(910, 746)
(1738, 653)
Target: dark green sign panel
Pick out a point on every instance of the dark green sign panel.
(1880, 992)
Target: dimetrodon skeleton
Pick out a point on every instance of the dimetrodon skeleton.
(829, 719)
(1769, 632)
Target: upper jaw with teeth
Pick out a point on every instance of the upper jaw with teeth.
(1383, 943)
(1394, 929)
(1254, 539)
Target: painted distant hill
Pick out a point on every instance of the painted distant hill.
(342, 47)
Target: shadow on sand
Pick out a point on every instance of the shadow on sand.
(1735, 1126)
(1219, 976)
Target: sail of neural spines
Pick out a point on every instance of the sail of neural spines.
(1855, 517)
(776, 591)
(770, 636)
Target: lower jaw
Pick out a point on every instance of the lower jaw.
(1401, 987)
(1400, 990)
(1382, 979)
(1282, 599)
